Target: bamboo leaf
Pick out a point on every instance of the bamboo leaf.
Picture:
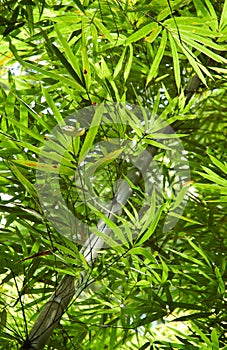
(176, 63)
(118, 234)
(199, 250)
(28, 131)
(69, 54)
(191, 41)
(47, 73)
(141, 33)
(129, 63)
(196, 65)
(212, 176)
(148, 233)
(103, 161)
(85, 62)
(220, 165)
(103, 29)
(158, 57)
(55, 169)
(214, 339)
(91, 133)
(23, 180)
(221, 284)
(155, 32)
(53, 107)
(223, 20)
(119, 65)
(37, 117)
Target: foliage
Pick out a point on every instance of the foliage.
(59, 57)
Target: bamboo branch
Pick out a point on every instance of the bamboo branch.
(68, 287)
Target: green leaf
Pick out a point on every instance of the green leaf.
(116, 230)
(45, 72)
(141, 33)
(66, 64)
(153, 35)
(93, 129)
(119, 65)
(221, 284)
(144, 252)
(129, 63)
(220, 165)
(158, 57)
(201, 334)
(44, 167)
(186, 257)
(73, 61)
(214, 339)
(53, 107)
(165, 271)
(103, 29)
(223, 20)
(37, 117)
(103, 161)
(179, 198)
(78, 4)
(191, 40)
(150, 214)
(199, 250)
(85, 62)
(148, 233)
(176, 63)
(26, 130)
(24, 181)
(212, 176)
(195, 65)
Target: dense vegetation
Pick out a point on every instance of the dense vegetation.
(164, 287)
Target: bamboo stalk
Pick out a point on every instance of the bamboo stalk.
(68, 287)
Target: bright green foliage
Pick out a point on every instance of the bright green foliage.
(164, 290)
